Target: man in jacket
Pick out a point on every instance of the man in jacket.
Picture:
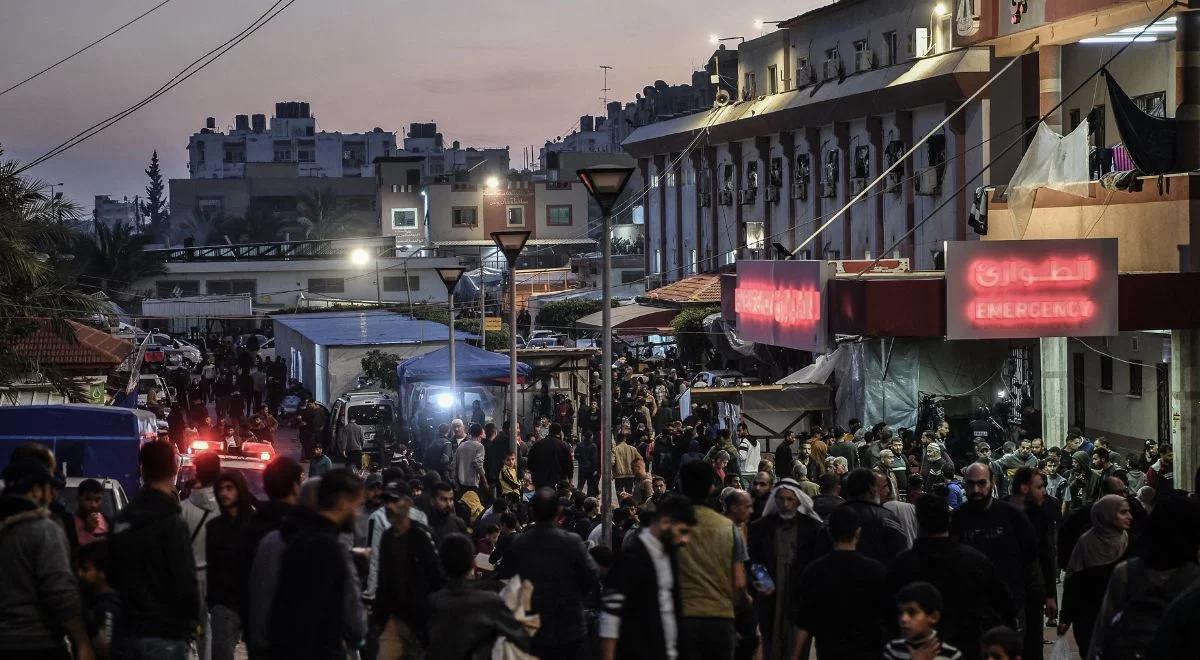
(550, 459)
(317, 611)
(495, 450)
(882, 537)
(153, 565)
(624, 455)
(407, 573)
(469, 471)
(587, 453)
(38, 595)
(636, 621)
(562, 572)
(975, 598)
(197, 510)
(466, 621)
(443, 521)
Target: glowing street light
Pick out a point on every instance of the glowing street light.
(940, 10)
(492, 183)
(359, 257)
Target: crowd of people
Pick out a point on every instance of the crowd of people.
(856, 542)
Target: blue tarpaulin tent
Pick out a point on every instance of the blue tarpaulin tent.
(472, 365)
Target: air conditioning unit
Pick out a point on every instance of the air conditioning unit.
(828, 189)
(705, 199)
(833, 68)
(800, 190)
(772, 193)
(804, 77)
(857, 185)
(725, 198)
(864, 60)
(747, 196)
(893, 182)
(928, 183)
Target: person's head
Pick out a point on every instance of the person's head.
(91, 497)
(933, 452)
(1037, 446)
(983, 452)
(457, 428)
(840, 465)
(943, 429)
(476, 430)
(340, 496)
(762, 484)
(977, 481)
(897, 446)
(845, 527)
(861, 485)
(208, 468)
(1150, 448)
(737, 505)
(1029, 484)
(457, 555)
(1112, 512)
(232, 493)
(920, 610)
(886, 458)
(489, 430)
(91, 565)
(397, 497)
(1145, 495)
(720, 460)
(696, 481)
(804, 451)
(789, 437)
(1100, 458)
(658, 485)
(672, 521)
(1173, 530)
(1073, 443)
(1050, 465)
(933, 516)
(158, 462)
(1080, 461)
(1166, 454)
(31, 479)
(1024, 449)
(1001, 643)
(318, 451)
(787, 502)
(443, 498)
(282, 478)
(545, 506)
(830, 484)
(475, 405)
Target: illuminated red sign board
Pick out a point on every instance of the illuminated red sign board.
(1021, 289)
(782, 303)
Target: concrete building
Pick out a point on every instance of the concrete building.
(458, 164)
(111, 212)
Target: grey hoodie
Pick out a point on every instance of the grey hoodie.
(200, 502)
(37, 588)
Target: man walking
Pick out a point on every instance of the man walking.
(408, 572)
(153, 565)
(468, 462)
(550, 459)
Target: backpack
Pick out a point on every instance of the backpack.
(1129, 633)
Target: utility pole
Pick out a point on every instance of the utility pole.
(605, 90)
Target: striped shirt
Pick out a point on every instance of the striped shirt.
(897, 649)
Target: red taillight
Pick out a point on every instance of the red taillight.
(199, 445)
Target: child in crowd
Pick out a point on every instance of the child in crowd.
(920, 606)
(1001, 643)
(102, 604)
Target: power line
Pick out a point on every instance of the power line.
(187, 72)
(131, 22)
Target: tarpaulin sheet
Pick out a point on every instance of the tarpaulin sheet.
(471, 365)
(1052, 161)
(1149, 140)
(891, 372)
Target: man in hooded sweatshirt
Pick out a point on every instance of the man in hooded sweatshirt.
(199, 508)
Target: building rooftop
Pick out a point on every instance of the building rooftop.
(91, 351)
(702, 288)
(367, 328)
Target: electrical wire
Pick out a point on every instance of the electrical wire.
(196, 66)
(81, 50)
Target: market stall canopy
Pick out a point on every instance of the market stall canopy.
(472, 365)
(633, 319)
(767, 410)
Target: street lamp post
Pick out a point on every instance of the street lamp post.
(604, 184)
(450, 276)
(511, 243)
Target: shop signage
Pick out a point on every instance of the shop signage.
(1021, 289)
(782, 303)
(493, 324)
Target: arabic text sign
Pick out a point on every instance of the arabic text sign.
(782, 303)
(1020, 289)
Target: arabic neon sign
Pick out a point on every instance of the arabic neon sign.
(781, 303)
(1014, 289)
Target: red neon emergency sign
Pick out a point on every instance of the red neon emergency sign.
(1014, 289)
(780, 303)
(786, 307)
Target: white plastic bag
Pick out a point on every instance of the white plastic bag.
(1061, 649)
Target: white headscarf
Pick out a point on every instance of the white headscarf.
(806, 503)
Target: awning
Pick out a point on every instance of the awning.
(532, 241)
(956, 74)
(633, 320)
(768, 410)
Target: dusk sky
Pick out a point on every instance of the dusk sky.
(489, 73)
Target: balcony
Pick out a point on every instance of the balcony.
(800, 190)
(747, 196)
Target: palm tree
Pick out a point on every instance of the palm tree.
(33, 243)
(320, 215)
(260, 225)
(114, 258)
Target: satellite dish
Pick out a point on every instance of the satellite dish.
(722, 98)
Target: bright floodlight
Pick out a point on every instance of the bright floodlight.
(445, 400)
(359, 257)
(492, 183)
(940, 9)
(759, 24)
(714, 39)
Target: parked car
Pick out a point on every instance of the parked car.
(266, 350)
(148, 382)
(251, 468)
(115, 498)
(373, 410)
(176, 350)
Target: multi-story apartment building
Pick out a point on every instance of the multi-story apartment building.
(111, 212)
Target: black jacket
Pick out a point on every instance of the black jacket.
(563, 574)
(975, 597)
(631, 594)
(494, 453)
(267, 518)
(465, 622)
(882, 538)
(549, 462)
(152, 566)
(409, 572)
(228, 563)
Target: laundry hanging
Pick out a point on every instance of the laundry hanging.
(1052, 161)
(1150, 140)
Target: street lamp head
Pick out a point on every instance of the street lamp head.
(450, 276)
(759, 24)
(492, 183)
(359, 257)
(940, 10)
(605, 183)
(714, 39)
(511, 243)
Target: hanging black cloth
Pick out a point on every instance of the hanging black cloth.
(1150, 140)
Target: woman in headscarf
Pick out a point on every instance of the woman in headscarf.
(781, 541)
(1091, 564)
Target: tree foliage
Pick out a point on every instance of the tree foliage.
(34, 243)
(621, 246)
(561, 315)
(689, 331)
(154, 209)
(113, 258)
(381, 366)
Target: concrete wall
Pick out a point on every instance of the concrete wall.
(1144, 68)
(1125, 418)
(567, 193)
